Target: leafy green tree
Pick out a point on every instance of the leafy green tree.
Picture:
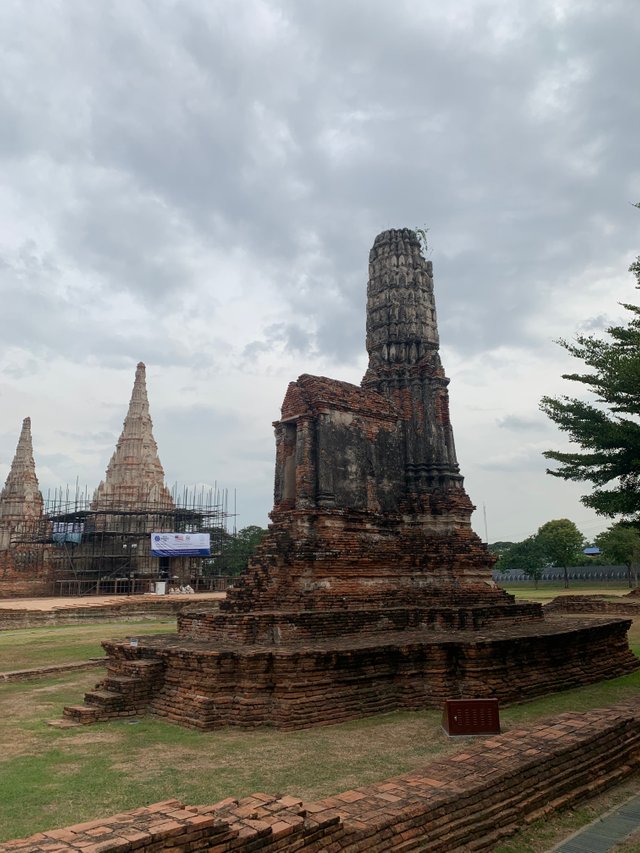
(621, 544)
(606, 429)
(500, 548)
(561, 543)
(240, 548)
(527, 556)
(231, 552)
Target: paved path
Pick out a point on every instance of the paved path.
(98, 600)
(606, 832)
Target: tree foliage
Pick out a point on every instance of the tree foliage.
(562, 543)
(526, 556)
(607, 429)
(556, 543)
(235, 551)
(621, 544)
(500, 548)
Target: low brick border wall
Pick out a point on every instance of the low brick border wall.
(44, 671)
(619, 606)
(127, 611)
(469, 801)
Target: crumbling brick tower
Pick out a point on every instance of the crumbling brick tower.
(370, 507)
(371, 591)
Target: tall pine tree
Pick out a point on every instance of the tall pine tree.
(607, 429)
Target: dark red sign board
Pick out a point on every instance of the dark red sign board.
(471, 717)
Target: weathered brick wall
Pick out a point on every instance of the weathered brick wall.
(126, 611)
(275, 628)
(471, 800)
(42, 671)
(623, 606)
(15, 581)
(18, 587)
(207, 686)
(345, 445)
(336, 558)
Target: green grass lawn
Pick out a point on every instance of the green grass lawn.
(29, 648)
(51, 777)
(547, 590)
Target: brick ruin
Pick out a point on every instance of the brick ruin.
(21, 507)
(83, 544)
(371, 592)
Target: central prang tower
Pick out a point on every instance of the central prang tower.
(404, 363)
(367, 485)
(370, 591)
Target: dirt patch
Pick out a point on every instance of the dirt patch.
(14, 708)
(141, 763)
(86, 738)
(289, 754)
(22, 744)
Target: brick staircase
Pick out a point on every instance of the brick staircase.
(124, 692)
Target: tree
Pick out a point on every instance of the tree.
(606, 429)
(240, 548)
(231, 552)
(527, 556)
(500, 548)
(620, 544)
(561, 543)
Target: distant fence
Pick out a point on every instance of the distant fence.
(594, 574)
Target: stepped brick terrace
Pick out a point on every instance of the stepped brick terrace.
(371, 591)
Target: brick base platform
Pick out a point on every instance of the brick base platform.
(623, 605)
(289, 685)
(468, 802)
(69, 611)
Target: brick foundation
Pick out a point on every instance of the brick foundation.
(15, 583)
(627, 605)
(201, 686)
(470, 801)
(44, 671)
(125, 611)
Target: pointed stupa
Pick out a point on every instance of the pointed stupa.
(135, 477)
(20, 500)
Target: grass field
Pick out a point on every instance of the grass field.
(51, 777)
(29, 648)
(547, 590)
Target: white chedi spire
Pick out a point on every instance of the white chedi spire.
(135, 477)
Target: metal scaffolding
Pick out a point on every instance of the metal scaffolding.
(105, 550)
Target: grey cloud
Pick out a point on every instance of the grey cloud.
(187, 438)
(90, 440)
(42, 314)
(197, 128)
(517, 423)
(596, 324)
(525, 461)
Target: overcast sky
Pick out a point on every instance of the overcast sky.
(197, 185)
